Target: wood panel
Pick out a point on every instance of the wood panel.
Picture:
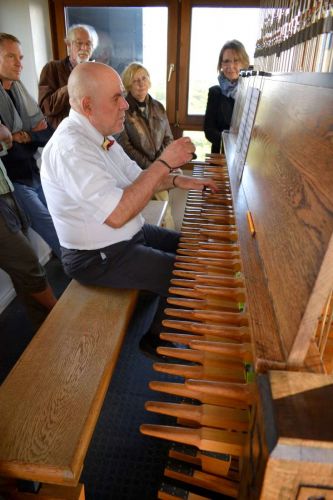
(287, 186)
(267, 348)
(290, 448)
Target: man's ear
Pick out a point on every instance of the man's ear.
(86, 105)
(68, 47)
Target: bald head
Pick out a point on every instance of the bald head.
(87, 79)
(96, 90)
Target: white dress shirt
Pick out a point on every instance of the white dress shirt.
(83, 183)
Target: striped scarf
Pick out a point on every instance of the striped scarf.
(227, 87)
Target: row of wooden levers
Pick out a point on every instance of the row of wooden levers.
(211, 385)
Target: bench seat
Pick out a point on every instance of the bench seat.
(51, 399)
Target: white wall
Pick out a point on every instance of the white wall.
(29, 21)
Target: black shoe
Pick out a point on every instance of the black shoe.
(148, 345)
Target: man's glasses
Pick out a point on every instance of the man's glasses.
(80, 44)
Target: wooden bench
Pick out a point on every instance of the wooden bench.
(51, 399)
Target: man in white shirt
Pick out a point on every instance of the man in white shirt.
(95, 193)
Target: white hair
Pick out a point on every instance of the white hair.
(90, 29)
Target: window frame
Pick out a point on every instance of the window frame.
(186, 121)
(178, 47)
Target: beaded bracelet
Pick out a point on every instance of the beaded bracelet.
(173, 180)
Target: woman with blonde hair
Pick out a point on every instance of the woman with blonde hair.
(146, 129)
(221, 98)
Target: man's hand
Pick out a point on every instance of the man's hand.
(178, 152)
(5, 137)
(186, 182)
(42, 125)
(22, 137)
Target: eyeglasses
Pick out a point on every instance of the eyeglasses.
(80, 44)
(138, 81)
(227, 62)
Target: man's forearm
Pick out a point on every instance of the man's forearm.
(155, 178)
(167, 183)
(137, 195)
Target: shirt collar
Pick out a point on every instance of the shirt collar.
(83, 122)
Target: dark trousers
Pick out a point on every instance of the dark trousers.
(144, 263)
(19, 260)
(17, 257)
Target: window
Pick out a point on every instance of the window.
(128, 34)
(210, 29)
(178, 42)
(202, 146)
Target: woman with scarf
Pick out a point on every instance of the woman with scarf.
(221, 98)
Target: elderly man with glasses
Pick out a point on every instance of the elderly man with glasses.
(81, 41)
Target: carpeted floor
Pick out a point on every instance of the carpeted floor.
(121, 464)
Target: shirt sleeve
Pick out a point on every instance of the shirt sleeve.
(130, 168)
(87, 182)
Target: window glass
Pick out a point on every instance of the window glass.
(210, 29)
(202, 146)
(129, 34)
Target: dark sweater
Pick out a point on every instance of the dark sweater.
(217, 117)
(20, 162)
